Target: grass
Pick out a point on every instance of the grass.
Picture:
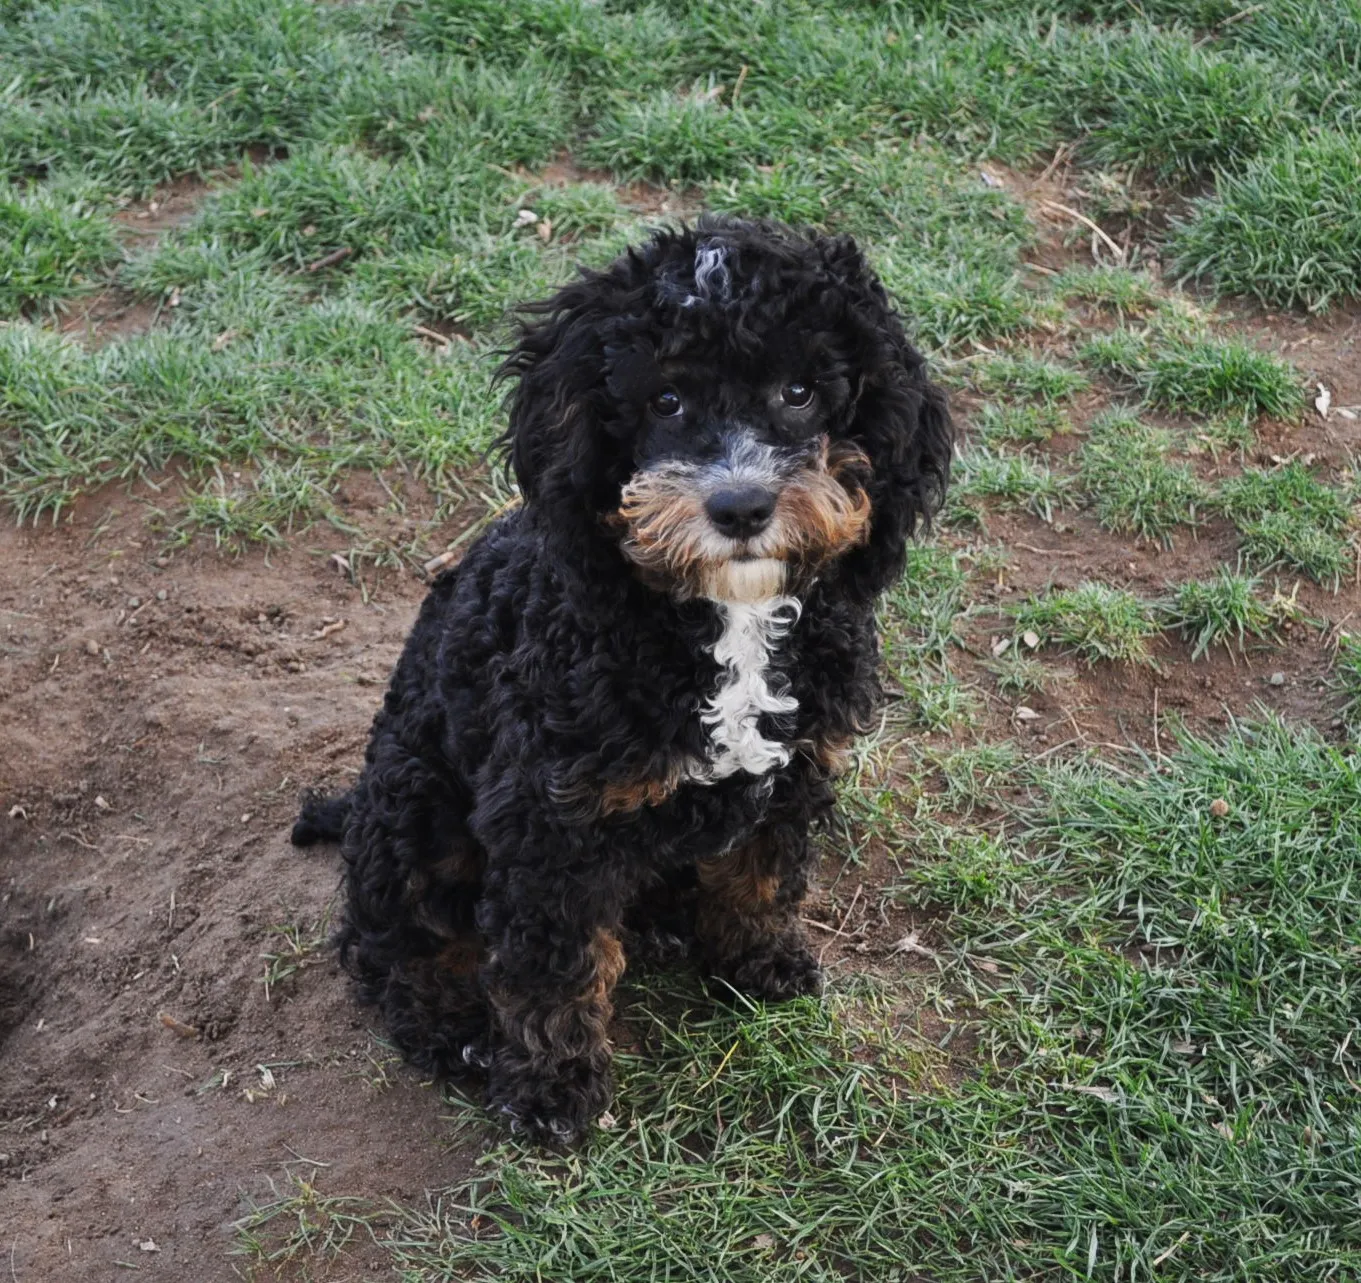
(1287, 517)
(1347, 679)
(1134, 489)
(1197, 374)
(1094, 621)
(1287, 230)
(54, 246)
(1224, 611)
(1029, 378)
(1026, 424)
(1016, 480)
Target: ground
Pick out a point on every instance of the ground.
(1088, 901)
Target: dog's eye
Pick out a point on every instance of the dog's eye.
(797, 395)
(666, 404)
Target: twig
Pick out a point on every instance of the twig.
(331, 259)
(13, 1247)
(433, 335)
(1158, 1260)
(1045, 552)
(1157, 742)
(741, 80)
(1060, 155)
(1087, 222)
(855, 899)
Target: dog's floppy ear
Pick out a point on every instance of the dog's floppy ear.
(562, 414)
(901, 422)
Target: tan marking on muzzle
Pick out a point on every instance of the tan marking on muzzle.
(823, 511)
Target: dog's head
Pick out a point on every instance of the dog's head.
(736, 407)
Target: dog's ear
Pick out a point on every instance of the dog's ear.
(562, 436)
(901, 421)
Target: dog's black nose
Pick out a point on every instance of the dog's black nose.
(741, 512)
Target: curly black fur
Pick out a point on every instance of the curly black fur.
(536, 778)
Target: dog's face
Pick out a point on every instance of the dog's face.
(733, 405)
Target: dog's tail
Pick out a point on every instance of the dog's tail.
(321, 819)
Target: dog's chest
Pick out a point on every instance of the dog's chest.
(747, 689)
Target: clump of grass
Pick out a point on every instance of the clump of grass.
(1198, 374)
(1287, 230)
(1017, 673)
(1015, 479)
(1124, 291)
(1023, 423)
(971, 870)
(1094, 621)
(53, 246)
(1029, 377)
(1134, 489)
(1286, 516)
(951, 303)
(1223, 611)
(927, 600)
(1177, 108)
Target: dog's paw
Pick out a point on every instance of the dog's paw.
(551, 1110)
(775, 972)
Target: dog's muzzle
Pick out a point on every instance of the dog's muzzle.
(742, 527)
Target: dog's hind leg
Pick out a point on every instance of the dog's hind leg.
(409, 935)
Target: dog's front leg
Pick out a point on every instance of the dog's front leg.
(549, 978)
(747, 917)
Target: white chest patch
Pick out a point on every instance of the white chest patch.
(750, 631)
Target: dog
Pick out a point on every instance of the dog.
(617, 718)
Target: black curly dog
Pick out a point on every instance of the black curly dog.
(624, 708)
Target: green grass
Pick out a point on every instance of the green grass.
(1029, 378)
(1123, 291)
(1015, 480)
(54, 246)
(1094, 621)
(1287, 517)
(1287, 230)
(1026, 424)
(1224, 611)
(1347, 679)
(1193, 373)
(1134, 489)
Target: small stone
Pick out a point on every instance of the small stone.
(103, 803)
(1277, 679)
(1031, 638)
(92, 647)
(162, 595)
(134, 602)
(1024, 714)
(1219, 808)
(162, 562)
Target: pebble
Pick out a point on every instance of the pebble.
(134, 602)
(1277, 679)
(162, 595)
(92, 647)
(1219, 808)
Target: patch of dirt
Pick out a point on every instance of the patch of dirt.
(643, 198)
(115, 313)
(161, 712)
